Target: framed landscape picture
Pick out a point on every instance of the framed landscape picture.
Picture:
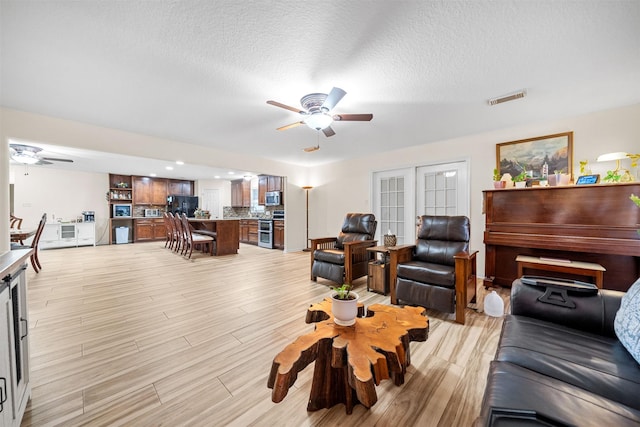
(553, 153)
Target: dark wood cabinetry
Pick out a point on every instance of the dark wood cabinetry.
(149, 191)
(179, 188)
(249, 231)
(241, 193)
(144, 192)
(269, 183)
(149, 229)
(278, 234)
(594, 224)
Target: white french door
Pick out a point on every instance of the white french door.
(402, 195)
(394, 204)
(443, 189)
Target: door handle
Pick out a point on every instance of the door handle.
(26, 327)
(3, 393)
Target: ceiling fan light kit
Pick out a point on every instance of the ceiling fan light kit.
(316, 112)
(28, 155)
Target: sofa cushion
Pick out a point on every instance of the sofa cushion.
(627, 322)
(514, 388)
(426, 272)
(591, 362)
(329, 255)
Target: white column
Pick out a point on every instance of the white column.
(4, 195)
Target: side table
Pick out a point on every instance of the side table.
(349, 360)
(378, 270)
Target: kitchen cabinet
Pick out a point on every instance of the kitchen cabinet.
(278, 234)
(15, 388)
(149, 191)
(148, 229)
(119, 189)
(241, 193)
(179, 188)
(64, 235)
(249, 231)
(268, 183)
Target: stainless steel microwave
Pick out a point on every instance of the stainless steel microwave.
(272, 198)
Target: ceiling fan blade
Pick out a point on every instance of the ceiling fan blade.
(292, 125)
(328, 131)
(53, 159)
(43, 162)
(286, 107)
(312, 149)
(353, 117)
(333, 98)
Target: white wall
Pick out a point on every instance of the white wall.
(338, 188)
(62, 193)
(345, 187)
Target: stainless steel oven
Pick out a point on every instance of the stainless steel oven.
(265, 233)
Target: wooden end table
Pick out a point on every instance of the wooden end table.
(349, 360)
(378, 270)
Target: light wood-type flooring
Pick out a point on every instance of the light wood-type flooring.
(136, 335)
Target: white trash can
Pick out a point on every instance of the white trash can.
(122, 235)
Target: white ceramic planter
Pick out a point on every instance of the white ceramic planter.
(344, 311)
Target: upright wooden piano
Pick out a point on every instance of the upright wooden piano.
(591, 223)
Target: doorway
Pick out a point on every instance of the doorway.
(402, 195)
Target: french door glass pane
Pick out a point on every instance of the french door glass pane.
(392, 206)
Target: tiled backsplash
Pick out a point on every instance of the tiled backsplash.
(231, 212)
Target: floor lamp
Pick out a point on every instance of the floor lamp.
(306, 188)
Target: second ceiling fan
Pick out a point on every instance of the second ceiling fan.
(316, 111)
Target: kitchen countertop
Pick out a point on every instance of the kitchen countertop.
(11, 259)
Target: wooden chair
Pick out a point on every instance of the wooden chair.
(35, 261)
(344, 258)
(15, 223)
(439, 271)
(196, 240)
(177, 224)
(170, 230)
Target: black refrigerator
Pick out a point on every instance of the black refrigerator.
(182, 204)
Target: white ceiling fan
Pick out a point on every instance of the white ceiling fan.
(317, 115)
(29, 155)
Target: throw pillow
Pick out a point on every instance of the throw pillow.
(627, 322)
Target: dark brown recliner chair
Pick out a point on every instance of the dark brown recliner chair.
(344, 258)
(439, 271)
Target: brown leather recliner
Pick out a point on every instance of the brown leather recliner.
(345, 258)
(439, 271)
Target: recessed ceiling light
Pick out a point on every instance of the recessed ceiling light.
(152, 174)
(217, 177)
(169, 168)
(232, 173)
(179, 162)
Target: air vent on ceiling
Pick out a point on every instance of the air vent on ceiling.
(507, 98)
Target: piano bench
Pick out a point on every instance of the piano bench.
(589, 269)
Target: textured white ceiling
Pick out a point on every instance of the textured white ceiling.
(202, 71)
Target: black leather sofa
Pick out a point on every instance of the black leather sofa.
(561, 366)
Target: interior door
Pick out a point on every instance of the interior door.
(210, 201)
(443, 189)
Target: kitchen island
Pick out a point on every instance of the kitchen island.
(225, 231)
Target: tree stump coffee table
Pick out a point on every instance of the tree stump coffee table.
(349, 360)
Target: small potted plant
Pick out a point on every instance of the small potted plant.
(344, 305)
(497, 180)
(520, 179)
